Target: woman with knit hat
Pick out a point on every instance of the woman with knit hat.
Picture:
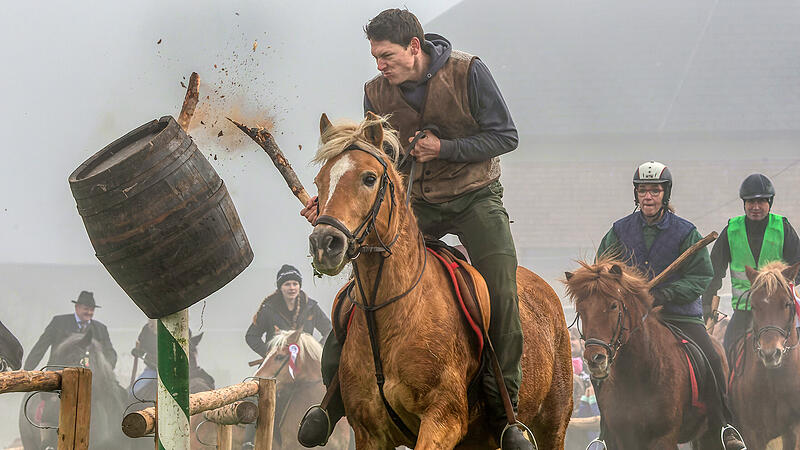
(288, 308)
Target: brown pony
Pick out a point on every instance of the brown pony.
(645, 395)
(427, 351)
(298, 389)
(765, 391)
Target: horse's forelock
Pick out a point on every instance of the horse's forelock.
(309, 347)
(337, 138)
(771, 279)
(596, 279)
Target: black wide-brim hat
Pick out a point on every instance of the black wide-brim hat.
(86, 298)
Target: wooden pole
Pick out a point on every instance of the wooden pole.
(681, 259)
(224, 437)
(173, 381)
(266, 413)
(235, 413)
(75, 413)
(27, 381)
(189, 102)
(263, 138)
(141, 423)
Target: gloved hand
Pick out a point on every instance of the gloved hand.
(137, 352)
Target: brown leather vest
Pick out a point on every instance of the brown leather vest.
(446, 105)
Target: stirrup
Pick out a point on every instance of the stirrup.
(327, 416)
(524, 427)
(599, 442)
(731, 427)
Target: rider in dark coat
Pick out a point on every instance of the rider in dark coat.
(288, 308)
(64, 325)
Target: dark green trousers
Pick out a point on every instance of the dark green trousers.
(481, 223)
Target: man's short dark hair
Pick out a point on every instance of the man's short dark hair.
(397, 26)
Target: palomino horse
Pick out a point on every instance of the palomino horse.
(765, 389)
(293, 359)
(108, 399)
(428, 352)
(645, 394)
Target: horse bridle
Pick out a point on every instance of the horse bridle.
(786, 332)
(355, 238)
(613, 346)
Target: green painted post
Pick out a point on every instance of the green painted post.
(173, 381)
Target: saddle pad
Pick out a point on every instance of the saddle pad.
(470, 291)
(699, 371)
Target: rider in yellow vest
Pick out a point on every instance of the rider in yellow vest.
(754, 239)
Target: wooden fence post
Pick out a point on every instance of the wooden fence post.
(76, 405)
(266, 413)
(224, 437)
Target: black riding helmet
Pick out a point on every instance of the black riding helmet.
(653, 172)
(757, 186)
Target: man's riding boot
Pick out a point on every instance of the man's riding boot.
(514, 439)
(318, 424)
(732, 441)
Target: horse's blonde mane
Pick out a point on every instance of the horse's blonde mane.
(596, 279)
(309, 347)
(771, 278)
(337, 138)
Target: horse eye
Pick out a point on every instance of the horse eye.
(369, 180)
(613, 306)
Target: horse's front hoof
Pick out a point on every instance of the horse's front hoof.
(513, 439)
(314, 428)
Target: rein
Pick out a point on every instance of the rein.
(355, 242)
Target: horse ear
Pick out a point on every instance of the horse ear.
(616, 270)
(568, 275)
(751, 273)
(324, 123)
(374, 132)
(790, 273)
(87, 337)
(194, 340)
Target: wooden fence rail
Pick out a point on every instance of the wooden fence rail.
(224, 407)
(75, 384)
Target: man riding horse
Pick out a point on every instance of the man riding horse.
(64, 325)
(754, 239)
(447, 106)
(650, 239)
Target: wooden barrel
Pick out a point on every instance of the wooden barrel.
(160, 218)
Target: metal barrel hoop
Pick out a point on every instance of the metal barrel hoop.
(25, 412)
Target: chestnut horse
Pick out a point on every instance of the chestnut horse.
(645, 396)
(428, 352)
(299, 386)
(765, 390)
